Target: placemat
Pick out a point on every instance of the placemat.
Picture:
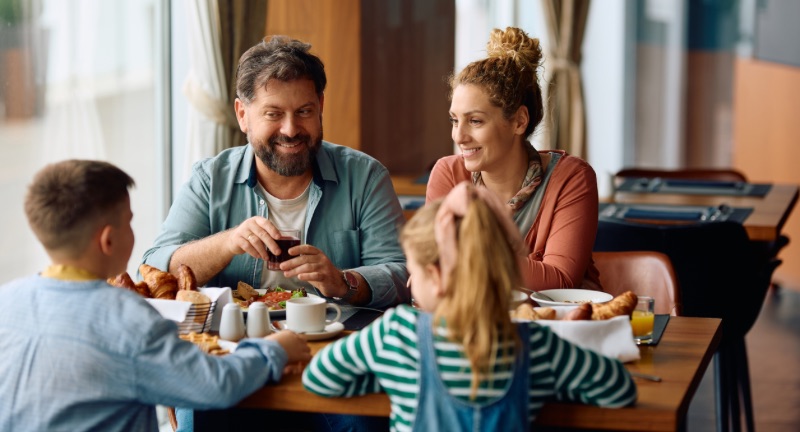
(659, 324)
(693, 187)
(361, 319)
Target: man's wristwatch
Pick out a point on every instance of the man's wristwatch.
(351, 281)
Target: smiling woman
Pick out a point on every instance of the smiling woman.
(495, 106)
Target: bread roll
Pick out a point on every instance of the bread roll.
(195, 297)
(162, 285)
(186, 279)
(623, 304)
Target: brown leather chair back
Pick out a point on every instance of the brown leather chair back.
(642, 272)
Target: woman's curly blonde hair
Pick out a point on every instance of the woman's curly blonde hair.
(508, 74)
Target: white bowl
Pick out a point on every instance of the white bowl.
(571, 297)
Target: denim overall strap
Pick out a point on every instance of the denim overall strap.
(438, 410)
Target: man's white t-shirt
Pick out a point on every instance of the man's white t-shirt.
(285, 214)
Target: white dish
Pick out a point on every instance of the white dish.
(330, 331)
(570, 297)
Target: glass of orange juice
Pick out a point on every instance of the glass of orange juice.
(642, 320)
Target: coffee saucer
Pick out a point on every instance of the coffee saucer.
(330, 330)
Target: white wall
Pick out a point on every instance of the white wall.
(607, 71)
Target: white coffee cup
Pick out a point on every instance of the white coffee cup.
(258, 320)
(231, 326)
(307, 314)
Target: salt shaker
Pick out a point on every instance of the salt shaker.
(231, 326)
(258, 320)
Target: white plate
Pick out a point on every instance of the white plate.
(330, 331)
(571, 297)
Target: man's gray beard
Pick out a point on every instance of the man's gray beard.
(286, 165)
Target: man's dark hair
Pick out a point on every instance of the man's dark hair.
(281, 58)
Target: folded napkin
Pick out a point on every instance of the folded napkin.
(172, 310)
(611, 338)
(222, 296)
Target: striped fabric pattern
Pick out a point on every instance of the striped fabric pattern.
(384, 357)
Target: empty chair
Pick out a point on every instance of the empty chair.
(718, 174)
(642, 272)
(719, 275)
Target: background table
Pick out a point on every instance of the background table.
(765, 223)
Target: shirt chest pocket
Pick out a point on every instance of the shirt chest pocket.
(345, 250)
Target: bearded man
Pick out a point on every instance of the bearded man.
(226, 217)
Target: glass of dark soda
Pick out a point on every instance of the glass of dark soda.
(289, 238)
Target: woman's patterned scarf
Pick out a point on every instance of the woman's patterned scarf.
(533, 178)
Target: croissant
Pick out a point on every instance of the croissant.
(123, 280)
(186, 279)
(526, 312)
(162, 285)
(622, 304)
(582, 312)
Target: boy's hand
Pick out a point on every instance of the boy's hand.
(295, 345)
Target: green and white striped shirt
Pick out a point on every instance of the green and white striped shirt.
(384, 357)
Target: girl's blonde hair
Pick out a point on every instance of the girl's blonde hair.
(477, 295)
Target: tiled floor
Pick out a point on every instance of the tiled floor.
(773, 349)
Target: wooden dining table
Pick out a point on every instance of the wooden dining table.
(680, 359)
(763, 224)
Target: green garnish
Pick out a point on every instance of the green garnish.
(282, 304)
(298, 294)
(279, 289)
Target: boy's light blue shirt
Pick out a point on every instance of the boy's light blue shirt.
(353, 216)
(88, 356)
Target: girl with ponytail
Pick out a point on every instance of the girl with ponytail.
(458, 362)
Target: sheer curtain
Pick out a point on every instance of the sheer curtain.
(96, 66)
(75, 85)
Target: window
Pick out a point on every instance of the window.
(81, 79)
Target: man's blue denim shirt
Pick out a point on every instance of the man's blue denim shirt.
(353, 217)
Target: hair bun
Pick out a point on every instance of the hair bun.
(515, 44)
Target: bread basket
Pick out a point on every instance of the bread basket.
(198, 319)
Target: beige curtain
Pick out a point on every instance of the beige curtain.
(565, 113)
(243, 23)
(219, 32)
